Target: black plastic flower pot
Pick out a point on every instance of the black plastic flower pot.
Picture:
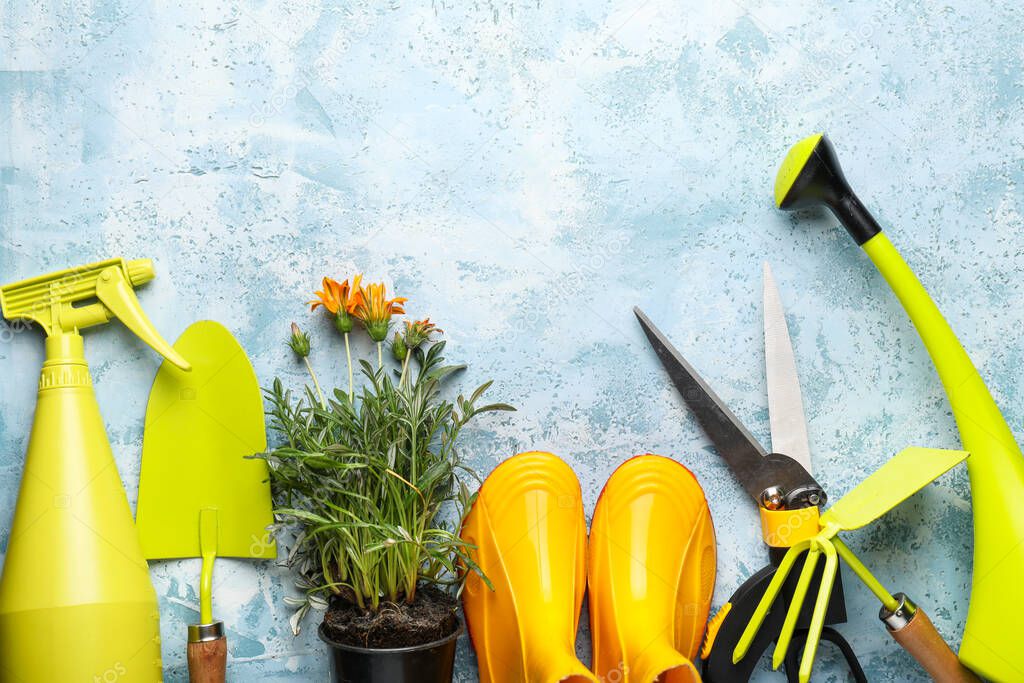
(428, 663)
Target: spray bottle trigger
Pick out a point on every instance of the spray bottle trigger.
(114, 292)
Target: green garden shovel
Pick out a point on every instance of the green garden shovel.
(199, 493)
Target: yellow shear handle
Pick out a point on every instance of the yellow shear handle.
(785, 528)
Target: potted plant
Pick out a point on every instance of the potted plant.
(369, 494)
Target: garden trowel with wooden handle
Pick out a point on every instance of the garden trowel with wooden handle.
(199, 493)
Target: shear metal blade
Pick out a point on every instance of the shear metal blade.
(785, 403)
(740, 450)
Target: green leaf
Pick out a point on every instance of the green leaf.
(493, 407)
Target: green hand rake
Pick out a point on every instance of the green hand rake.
(908, 472)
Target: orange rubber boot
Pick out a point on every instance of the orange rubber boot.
(651, 573)
(530, 535)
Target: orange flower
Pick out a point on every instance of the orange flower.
(419, 331)
(375, 310)
(338, 297)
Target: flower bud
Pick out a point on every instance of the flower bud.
(398, 348)
(299, 342)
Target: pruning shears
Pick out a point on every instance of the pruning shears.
(780, 483)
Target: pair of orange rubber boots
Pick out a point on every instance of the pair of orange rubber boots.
(650, 565)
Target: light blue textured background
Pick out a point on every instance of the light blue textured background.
(525, 172)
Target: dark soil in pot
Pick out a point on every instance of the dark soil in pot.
(431, 617)
(399, 644)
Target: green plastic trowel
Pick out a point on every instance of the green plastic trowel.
(199, 495)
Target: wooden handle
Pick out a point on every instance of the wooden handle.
(920, 639)
(208, 661)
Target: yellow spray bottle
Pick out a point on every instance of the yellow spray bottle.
(76, 601)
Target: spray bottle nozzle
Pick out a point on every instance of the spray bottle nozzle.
(49, 300)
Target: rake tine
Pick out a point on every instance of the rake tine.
(795, 606)
(828, 577)
(772, 592)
